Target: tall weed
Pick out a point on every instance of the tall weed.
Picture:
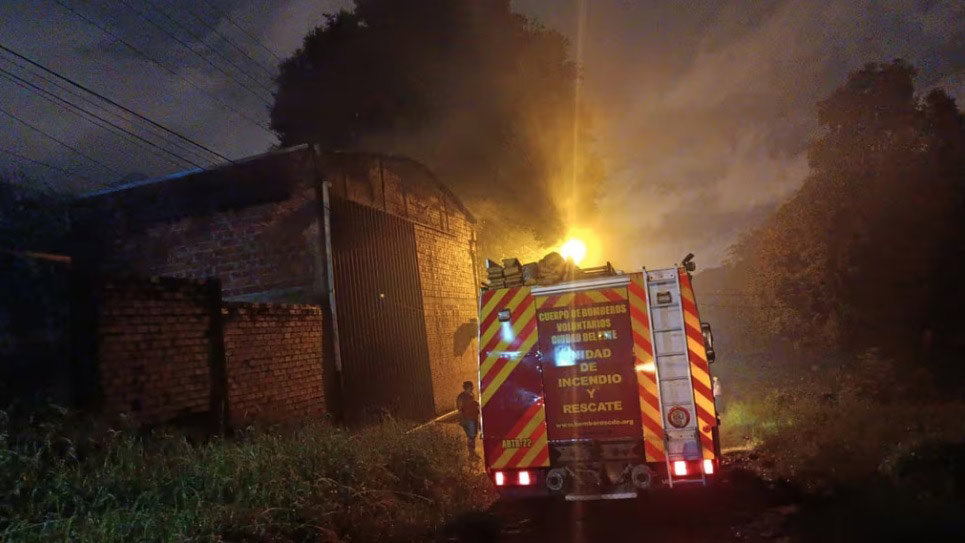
(62, 480)
(842, 425)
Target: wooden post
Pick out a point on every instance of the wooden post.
(217, 361)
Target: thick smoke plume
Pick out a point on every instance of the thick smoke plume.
(482, 95)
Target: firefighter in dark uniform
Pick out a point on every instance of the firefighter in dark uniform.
(468, 409)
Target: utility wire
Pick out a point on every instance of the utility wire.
(67, 106)
(54, 138)
(113, 103)
(100, 122)
(28, 159)
(161, 65)
(245, 32)
(200, 39)
(52, 167)
(190, 49)
(161, 135)
(228, 40)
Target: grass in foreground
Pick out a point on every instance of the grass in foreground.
(316, 483)
(878, 465)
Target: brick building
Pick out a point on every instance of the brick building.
(377, 241)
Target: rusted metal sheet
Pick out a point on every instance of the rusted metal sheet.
(381, 323)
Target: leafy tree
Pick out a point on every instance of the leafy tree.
(482, 95)
(870, 251)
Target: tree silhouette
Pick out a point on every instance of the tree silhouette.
(870, 251)
(483, 96)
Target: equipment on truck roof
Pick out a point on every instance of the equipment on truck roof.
(550, 270)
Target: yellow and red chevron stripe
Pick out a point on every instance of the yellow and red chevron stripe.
(646, 371)
(531, 426)
(503, 344)
(586, 297)
(699, 369)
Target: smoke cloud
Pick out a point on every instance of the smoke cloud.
(701, 115)
(705, 113)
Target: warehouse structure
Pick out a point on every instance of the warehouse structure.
(376, 241)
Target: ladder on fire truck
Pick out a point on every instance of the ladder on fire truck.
(674, 384)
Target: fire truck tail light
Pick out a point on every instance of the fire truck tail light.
(500, 478)
(524, 478)
(680, 468)
(708, 466)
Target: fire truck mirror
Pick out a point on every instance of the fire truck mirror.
(688, 262)
(708, 341)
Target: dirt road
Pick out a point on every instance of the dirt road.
(739, 507)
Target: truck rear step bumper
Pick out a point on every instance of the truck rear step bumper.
(589, 497)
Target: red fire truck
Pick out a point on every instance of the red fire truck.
(597, 387)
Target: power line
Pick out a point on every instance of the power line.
(28, 159)
(51, 166)
(113, 103)
(161, 65)
(200, 39)
(191, 50)
(227, 39)
(53, 138)
(84, 98)
(104, 123)
(54, 99)
(245, 32)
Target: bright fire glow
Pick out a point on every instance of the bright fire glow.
(524, 479)
(500, 478)
(574, 249)
(679, 468)
(708, 466)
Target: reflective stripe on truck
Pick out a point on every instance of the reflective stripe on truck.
(510, 384)
(646, 369)
(699, 369)
(590, 385)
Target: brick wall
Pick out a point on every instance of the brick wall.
(274, 362)
(255, 249)
(153, 348)
(156, 353)
(262, 244)
(398, 186)
(254, 225)
(449, 302)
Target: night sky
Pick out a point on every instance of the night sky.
(702, 114)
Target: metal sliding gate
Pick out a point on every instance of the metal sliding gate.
(381, 323)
